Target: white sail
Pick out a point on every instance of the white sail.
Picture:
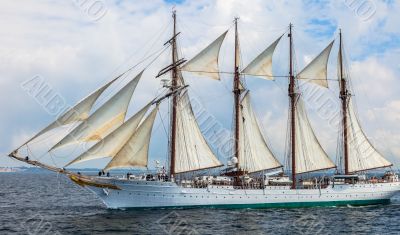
(79, 112)
(113, 142)
(362, 154)
(262, 64)
(192, 151)
(134, 153)
(316, 70)
(310, 156)
(105, 119)
(254, 152)
(206, 62)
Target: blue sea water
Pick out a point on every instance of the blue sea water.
(47, 203)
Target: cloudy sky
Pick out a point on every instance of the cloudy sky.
(75, 46)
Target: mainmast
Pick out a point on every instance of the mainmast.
(292, 95)
(174, 84)
(343, 97)
(236, 92)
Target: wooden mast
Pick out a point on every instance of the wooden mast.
(174, 83)
(292, 95)
(236, 93)
(343, 97)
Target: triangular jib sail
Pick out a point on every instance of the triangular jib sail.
(79, 112)
(113, 142)
(192, 151)
(362, 154)
(105, 119)
(206, 62)
(262, 64)
(316, 70)
(134, 153)
(254, 152)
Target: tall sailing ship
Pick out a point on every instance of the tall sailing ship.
(253, 177)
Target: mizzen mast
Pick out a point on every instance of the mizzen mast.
(236, 93)
(292, 95)
(343, 96)
(174, 84)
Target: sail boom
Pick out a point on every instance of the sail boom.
(267, 169)
(199, 169)
(369, 169)
(315, 170)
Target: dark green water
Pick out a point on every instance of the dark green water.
(33, 203)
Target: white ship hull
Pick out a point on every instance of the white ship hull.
(156, 194)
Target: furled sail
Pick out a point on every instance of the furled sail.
(79, 112)
(206, 62)
(192, 151)
(316, 70)
(310, 156)
(262, 64)
(113, 142)
(362, 154)
(105, 119)
(134, 153)
(254, 152)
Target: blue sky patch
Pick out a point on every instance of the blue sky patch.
(321, 28)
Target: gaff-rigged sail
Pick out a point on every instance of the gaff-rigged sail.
(255, 154)
(362, 154)
(206, 62)
(113, 142)
(316, 70)
(310, 156)
(105, 119)
(192, 151)
(262, 64)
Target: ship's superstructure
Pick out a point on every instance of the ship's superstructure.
(253, 177)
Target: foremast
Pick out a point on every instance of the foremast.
(236, 94)
(344, 97)
(188, 149)
(292, 96)
(174, 83)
